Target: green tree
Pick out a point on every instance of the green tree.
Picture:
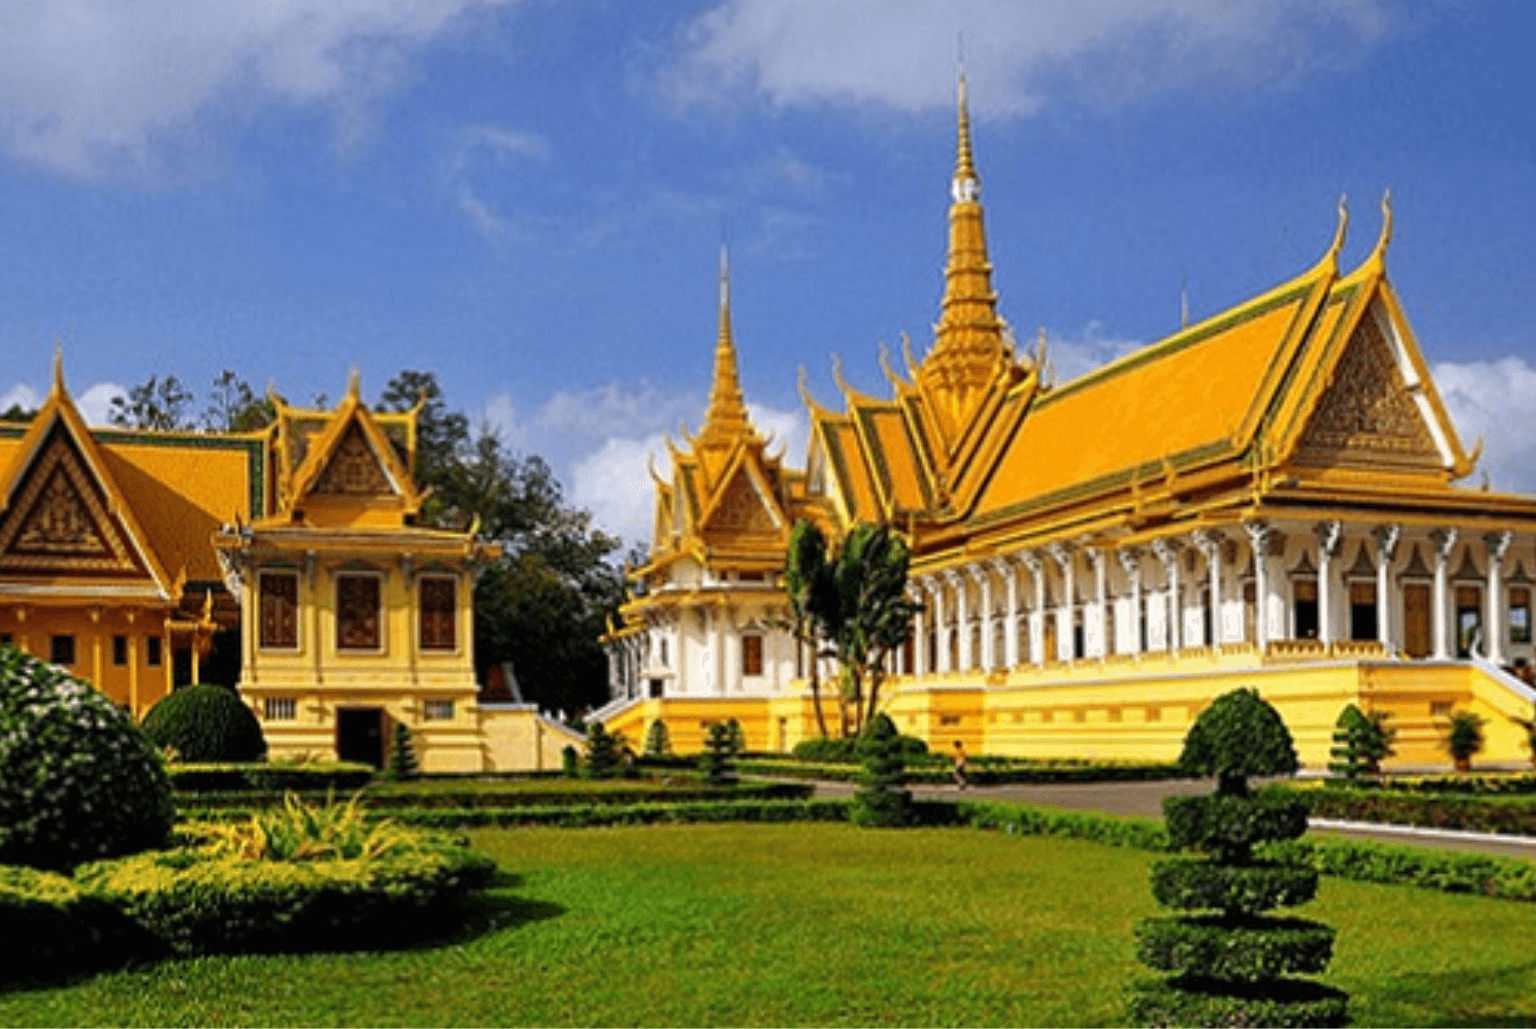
(657, 740)
(602, 752)
(1360, 743)
(857, 604)
(881, 800)
(719, 768)
(402, 754)
(807, 581)
(235, 407)
(155, 403)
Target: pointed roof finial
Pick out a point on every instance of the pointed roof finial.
(1379, 254)
(966, 185)
(58, 367)
(1339, 233)
(726, 417)
(354, 384)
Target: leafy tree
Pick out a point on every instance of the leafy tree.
(402, 754)
(881, 800)
(17, 413)
(235, 407)
(602, 752)
(155, 403)
(857, 603)
(1464, 737)
(807, 581)
(735, 738)
(441, 435)
(719, 768)
(1360, 743)
(657, 739)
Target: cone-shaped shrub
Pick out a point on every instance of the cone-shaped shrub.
(206, 723)
(1232, 964)
(78, 780)
(402, 754)
(657, 740)
(881, 800)
(602, 752)
(1360, 743)
(718, 763)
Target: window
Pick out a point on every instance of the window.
(1519, 614)
(6, 639)
(357, 613)
(280, 610)
(1304, 608)
(280, 709)
(119, 650)
(1362, 610)
(61, 650)
(752, 654)
(439, 613)
(437, 710)
(152, 652)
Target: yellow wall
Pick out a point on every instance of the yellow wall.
(136, 684)
(516, 738)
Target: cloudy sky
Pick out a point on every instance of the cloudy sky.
(527, 198)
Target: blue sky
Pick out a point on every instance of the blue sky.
(527, 198)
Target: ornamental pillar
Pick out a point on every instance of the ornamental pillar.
(1258, 538)
(983, 580)
(956, 580)
(1387, 537)
(1037, 613)
(940, 642)
(1167, 553)
(1005, 571)
(915, 593)
(1209, 543)
(1494, 632)
(1065, 648)
(1130, 563)
(1096, 643)
(1443, 541)
(1329, 535)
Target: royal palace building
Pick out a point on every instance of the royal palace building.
(1268, 498)
(288, 562)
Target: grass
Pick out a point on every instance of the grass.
(808, 924)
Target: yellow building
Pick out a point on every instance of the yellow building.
(1264, 499)
(125, 554)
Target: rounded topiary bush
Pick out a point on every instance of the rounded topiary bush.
(78, 781)
(206, 723)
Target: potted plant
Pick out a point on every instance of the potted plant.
(1463, 738)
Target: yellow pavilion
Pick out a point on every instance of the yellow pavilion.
(1267, 498)
(127, 557)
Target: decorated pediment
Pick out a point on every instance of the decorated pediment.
(59, 520)
(742, 507)
(354, 470)
(1367, 415)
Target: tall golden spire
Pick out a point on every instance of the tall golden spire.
(726, 418)
(969, 342)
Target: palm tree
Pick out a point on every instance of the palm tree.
(807, 580)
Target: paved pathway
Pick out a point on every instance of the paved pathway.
(1146, 798)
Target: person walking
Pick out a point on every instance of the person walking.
(962, 763)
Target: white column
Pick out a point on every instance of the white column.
(1036, 568)
(1443, 541)
(1167, 552)
(1494, 631)
(983, 580)
(1096, 642)
(1210, 545)
(940, 643)
(962, 616)
(1387, 537)
(1065, 650)
(1130, 563)
(919, 630)
(1258, 538)
(1005, 571)
(1329, 535)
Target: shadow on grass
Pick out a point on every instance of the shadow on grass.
(1434, 995)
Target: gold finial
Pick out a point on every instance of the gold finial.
(726, 417)
(1339, 233)
(354, 383)
(58, 366)
(966, 185)
(1379, 254)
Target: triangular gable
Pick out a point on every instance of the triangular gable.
(61, 513)
(354, 469)
(746, 503)
(353, 460)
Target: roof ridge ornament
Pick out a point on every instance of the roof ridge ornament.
(57, 388)
(966, 186)
(1379, 253)
(1339, 233)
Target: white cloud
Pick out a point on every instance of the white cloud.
(901, 53)
(479, 146)
(23, 396)
(1079, 354)
(89, 87)
(1495, 400)
(93, 404)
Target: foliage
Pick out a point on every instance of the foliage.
(209, 900)
(1360, 743)
(297, 831)
(402, 754)
(807, 586)
(235, 407)
(77, 778)
(1237, 955)
(273, 775)
(881, 800)
(569, 761)
(980, 774)
(155, 403)
(1238, 736)
(718, 759)
(602, 752)
(855, 604)
(205, 723)
(657, 740)
(62, 927)
(1464, 735)
(1293, 1002)
(845, 749)
(735, 738)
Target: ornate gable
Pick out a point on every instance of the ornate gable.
(354, 469)
(1366, 416)
(741, 508)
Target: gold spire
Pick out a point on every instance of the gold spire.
(726, 417)
(969, 343)
(57, 388)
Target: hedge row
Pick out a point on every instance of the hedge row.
(977, 774)
(206, 804)
(1510, 815)
(341, 776)
(575, 816)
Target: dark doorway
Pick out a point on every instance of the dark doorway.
(181, 667)
(1304, 608)
(1416, 621)
(1469, 621)
(360, 735)
(1362, 610)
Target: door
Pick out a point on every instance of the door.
(1469, 621)
(1416, 624)
(360, 735)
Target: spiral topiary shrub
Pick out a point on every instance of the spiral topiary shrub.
(1232, 964)
(78, 781)
(206, 723)
(882, 801)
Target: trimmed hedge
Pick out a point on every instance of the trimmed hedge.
(193, 902)
(1509, 815)
(1254, 949)
(980, 773)
(1190, 1001)
(1245, 889)
(341, 776)
(63, 928)
(205, 723)
(1028, 820)
(1229, 826)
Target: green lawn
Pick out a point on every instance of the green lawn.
(810, 924)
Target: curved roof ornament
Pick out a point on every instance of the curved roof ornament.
(906, 355)
(1379, 254)
(885, 367)
(1339, 233)
(837, 374)
(57, 389)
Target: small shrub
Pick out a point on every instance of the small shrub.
(1464, 737)
(206, 723)
(1360, 743)
(735, 739)
(882, 801)
(569, 761)
(77, 779)
(658, 742)
(603, 760)
(64, 930)
(300, 832)
(718, 760)
(402, 755)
